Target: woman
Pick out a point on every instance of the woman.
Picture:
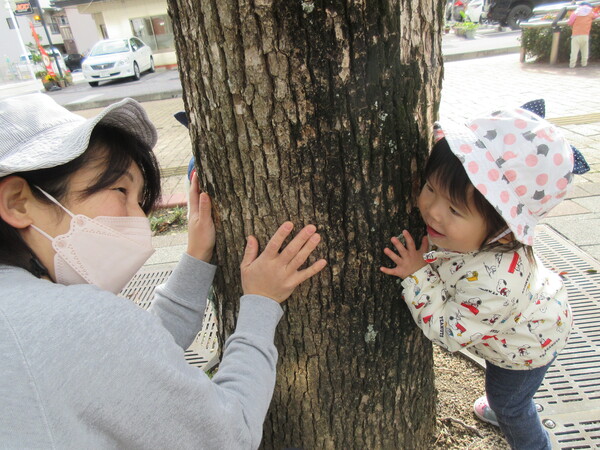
(82, 367)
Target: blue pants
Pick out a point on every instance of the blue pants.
(510, 395)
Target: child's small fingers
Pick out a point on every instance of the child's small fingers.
(424, 244)
(392, 255)
(387, 270)
(398, 245)
(410, 242)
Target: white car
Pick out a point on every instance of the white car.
(117, 58)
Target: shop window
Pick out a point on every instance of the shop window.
(156, 31)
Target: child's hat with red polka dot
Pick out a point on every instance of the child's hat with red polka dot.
(521, 163)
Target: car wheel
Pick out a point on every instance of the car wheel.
(136, 71)
(517, 15)
(152, 68)
(93, 83)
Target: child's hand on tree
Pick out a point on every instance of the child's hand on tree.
(201, 228)
(409, 258)
(275, 274)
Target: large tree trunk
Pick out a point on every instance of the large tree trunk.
(320, 112)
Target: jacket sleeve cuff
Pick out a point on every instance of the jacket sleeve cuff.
(190, 277)
(259, 316)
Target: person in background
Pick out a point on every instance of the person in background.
(83, 367)
(581, 22)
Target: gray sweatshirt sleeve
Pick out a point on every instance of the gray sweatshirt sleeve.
(180, 302)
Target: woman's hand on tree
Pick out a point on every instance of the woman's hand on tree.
(276, 274)
(201, 228)
(409, 258)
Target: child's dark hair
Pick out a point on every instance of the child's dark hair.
(448, 173)
(116, 149)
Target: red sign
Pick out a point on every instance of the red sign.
(23, 8)
(45, 56)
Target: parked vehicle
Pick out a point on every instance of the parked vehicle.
(110, 59)
(73, 61)
(474, 10)
(512, 12)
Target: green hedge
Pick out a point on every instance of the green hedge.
(537, 43)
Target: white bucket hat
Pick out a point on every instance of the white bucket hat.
(519, 162)
(37, 133)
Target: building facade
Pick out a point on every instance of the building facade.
(145, 19)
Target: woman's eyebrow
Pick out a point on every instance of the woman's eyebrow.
(128, 174)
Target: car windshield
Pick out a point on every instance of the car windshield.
(106, 48)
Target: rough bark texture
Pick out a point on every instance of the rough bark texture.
(320, 112)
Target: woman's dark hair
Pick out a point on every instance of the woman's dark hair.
(116, 150)
(448, 173)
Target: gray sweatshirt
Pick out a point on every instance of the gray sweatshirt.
(83, 368)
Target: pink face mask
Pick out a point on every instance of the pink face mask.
(103, 251)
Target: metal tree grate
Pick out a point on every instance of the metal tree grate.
(570, 394)
(204, 351)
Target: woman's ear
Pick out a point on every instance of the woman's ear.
(16, 202)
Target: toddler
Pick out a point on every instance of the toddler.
(480, 286)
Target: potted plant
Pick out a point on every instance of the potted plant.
(51, 82)
(459, 29)
(54, 82)
(469, 29)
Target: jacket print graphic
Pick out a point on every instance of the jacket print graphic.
(495, 304)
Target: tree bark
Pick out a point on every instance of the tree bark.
(320, 112)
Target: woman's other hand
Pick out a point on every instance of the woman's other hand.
(201, 228)
(276, 274)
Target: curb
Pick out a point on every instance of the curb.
(481, 54)
(172, 200)
(101, 103)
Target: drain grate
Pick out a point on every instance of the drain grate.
(204, 351)
(570, 394)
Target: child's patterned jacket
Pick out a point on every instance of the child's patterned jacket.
(495, 304)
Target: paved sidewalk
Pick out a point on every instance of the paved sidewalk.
(489, 40)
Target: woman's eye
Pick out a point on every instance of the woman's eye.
(121, 189)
